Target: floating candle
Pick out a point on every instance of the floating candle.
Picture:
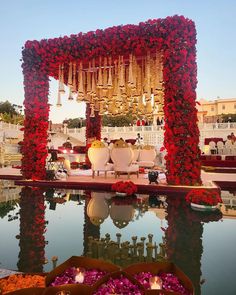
(155, 283)
(79, 275)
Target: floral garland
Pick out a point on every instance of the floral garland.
(32, 229)
(174, 37)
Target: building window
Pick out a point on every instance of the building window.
(223, 107)
(212, 109)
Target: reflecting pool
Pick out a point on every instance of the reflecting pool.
(37, 224)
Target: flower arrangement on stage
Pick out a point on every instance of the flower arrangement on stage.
(126, 187)
(203, 197)
(74, 165)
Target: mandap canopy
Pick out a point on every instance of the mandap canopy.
(121, 69)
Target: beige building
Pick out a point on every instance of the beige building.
(211, 110)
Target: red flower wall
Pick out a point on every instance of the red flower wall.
(174, 36)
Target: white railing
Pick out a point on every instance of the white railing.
(154, 135)
(206, 126)
(4, 125)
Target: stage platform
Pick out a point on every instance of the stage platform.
(84, 180)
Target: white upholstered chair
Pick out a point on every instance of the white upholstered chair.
(212, 145)
(229, 147)
(122, 157)
(136, 152)
(220, 147)
(147, 156)
(99, 156)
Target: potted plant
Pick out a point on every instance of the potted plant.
(203, 199)
(124, 188)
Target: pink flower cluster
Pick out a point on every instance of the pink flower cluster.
(91, 276)
(120, 285)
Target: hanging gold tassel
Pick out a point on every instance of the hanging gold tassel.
(109, 82)
(89, 79)
(159, 72)
(130, 74)
(61, 79)
(104, 84)
(122, 72)
(115, 81)
(149, 108)
(74, 90)
(59, 99)
(70, 97)
(70, 83)
(92, 113)
(80, 96)
(93, 92)
(135, 74)
(148, 78)
(99, 82)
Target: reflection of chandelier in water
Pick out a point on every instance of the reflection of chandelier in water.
(115, 86)
(127, 252)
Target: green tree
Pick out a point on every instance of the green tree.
(8, 108)
(9, 113)
(119, 121)
(75, 123)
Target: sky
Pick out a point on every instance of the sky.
(22, 20)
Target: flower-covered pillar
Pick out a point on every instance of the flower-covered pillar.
(32, 229)
(181, 138)
(184, 240)
(34, 147)
(184, 237)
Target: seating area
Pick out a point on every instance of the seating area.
(218, 161)
(219, 146)
(119, 158)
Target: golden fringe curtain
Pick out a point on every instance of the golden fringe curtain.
(116, 86)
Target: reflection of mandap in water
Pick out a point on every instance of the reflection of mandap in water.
(121, 214)
(98, 209)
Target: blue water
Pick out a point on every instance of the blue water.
(202, 245)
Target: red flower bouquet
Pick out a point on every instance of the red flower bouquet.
(74, 165)
(203, 197)
(127, 187)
